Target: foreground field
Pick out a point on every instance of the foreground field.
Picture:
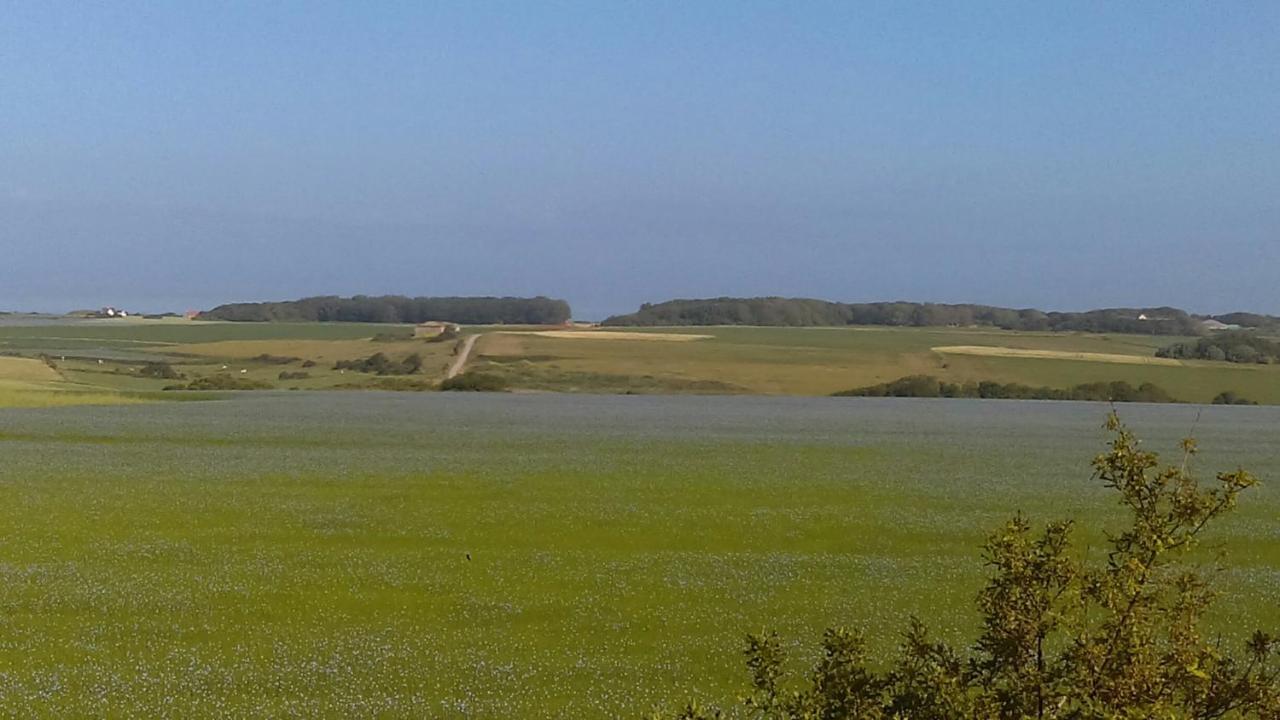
(435, 555)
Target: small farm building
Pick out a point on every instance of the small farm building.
(433, 328)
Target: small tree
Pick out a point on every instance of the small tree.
(1061, 639)
(160, 370)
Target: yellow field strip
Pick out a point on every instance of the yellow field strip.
(987, 351)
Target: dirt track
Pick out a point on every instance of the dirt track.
(460, 362)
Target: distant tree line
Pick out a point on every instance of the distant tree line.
(927, 386)
(400, 309)
(1236, 347)
(1257, 321)
(802, 312)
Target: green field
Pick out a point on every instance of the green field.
(102, 360)
(108, 356)
(820, 361)
(306, 554)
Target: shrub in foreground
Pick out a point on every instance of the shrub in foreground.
(222, 382)
(1061, 638)
(475, 382)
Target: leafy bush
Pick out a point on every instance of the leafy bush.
(475, 382)
(401, 384)
(275, 359)
(380, 364)
(222, 382)
(1061, 638)
(159, 370)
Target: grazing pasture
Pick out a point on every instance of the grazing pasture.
(25, 370)
(108, 356)
(820, 361)
(456, 555)
(25, 382)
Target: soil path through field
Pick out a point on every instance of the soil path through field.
(461, 361)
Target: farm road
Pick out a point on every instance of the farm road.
(455, 368)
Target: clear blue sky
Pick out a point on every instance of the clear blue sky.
(1063, 156)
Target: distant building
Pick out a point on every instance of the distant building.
(434, 328)
(1143, 316)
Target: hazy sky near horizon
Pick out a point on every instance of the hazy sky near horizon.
(177, 155)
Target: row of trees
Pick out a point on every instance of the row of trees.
(381, 364)
(800, 312)
(1236, 347)
(400, 309)
(1116, 635)
(1268, 323)
(927, 386)
(222, 382)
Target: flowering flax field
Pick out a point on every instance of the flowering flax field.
(441, 555)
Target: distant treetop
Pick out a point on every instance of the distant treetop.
(399, 309)
(1250, 320)
(799, 312)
